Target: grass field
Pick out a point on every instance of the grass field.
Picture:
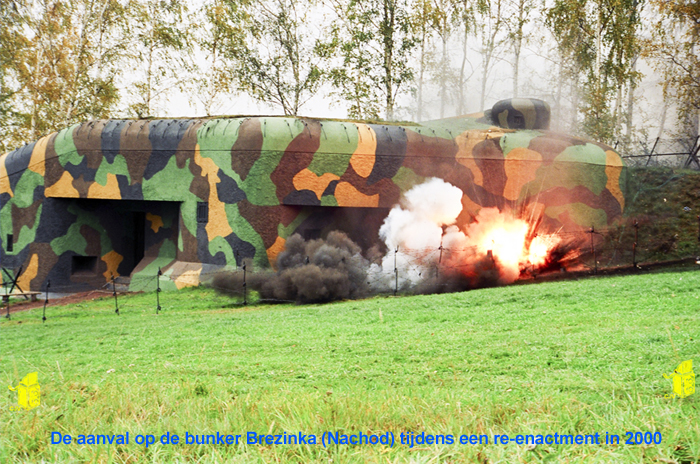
(575, 357)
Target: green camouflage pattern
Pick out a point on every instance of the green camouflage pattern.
(122, 197)
(520, 113)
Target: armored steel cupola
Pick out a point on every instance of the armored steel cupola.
(521, 113)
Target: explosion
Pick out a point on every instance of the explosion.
(496, 245)
(427, 252)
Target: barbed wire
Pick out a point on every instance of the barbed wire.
(678, 152)
(624, 245)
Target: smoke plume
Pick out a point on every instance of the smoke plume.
(308, 272)
(427, 252)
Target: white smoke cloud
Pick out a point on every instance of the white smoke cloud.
(424, 231)
(415, 228)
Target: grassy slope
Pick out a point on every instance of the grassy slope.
(566, 357)
(656, 199)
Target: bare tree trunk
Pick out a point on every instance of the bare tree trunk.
(630, 103)
(516, 67)
(557, 113)
(294, 55)
(482, 96)
(149, 72)
(35, 91)
(517, 46)
(443, 76)
(389, 22)
(662, 123)
(618, 112)
(485, 68)
(358, 100)
(100, 47)
(460, 103)
(67, 103)
(598, 44)
(489, 48)
(421, 71)
(210, 84)
(574, 103)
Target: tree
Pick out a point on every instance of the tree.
(352, 77)
(93, 65)
(516, 35)
(674, 49)
(445, 18)
(219, 35)
(53, 57)
(374, 39)
(12, 41)
(490, 26)
(599, 37)
(277, 55)
(160, 52)
(467, 23)
(422, 18)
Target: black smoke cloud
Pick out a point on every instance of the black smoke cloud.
(312, 271)
(494, 249)
(318, 271)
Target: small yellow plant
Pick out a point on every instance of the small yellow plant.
(683, 379)
(28, 391)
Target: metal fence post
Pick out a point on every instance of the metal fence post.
(634, 245)
(245, 286)
(693, 154)
(652, 150)
(595, 259)
(114, 293)
(46, 300)
(396, 273)
(158, 291)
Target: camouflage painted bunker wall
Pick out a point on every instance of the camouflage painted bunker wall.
(125, 197)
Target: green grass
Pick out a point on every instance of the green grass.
(567, 357)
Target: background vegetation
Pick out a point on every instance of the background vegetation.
(64, 61)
